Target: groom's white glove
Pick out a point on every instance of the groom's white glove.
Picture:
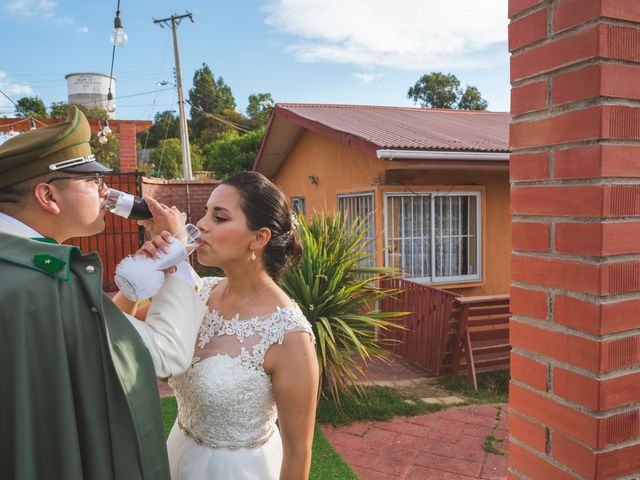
(171, 327)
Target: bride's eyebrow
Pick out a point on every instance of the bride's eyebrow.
(220, 210)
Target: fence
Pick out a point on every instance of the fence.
(430, 328)
(445, 333)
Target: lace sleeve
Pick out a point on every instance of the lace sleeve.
(207, 286)
(291, 320)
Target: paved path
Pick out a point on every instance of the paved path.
(440, 446)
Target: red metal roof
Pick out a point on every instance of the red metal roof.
(408, 128)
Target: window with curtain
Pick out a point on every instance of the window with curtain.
(434, 237)
(360, 205)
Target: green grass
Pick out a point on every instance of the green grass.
(493, 387)
(326, 464)
(489, 446)
(380, 404)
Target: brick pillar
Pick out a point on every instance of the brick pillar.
(575, 200)
(128, 155)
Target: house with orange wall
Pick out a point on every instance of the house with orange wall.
(432, 184)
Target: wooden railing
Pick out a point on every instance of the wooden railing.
(482, 340)
(448, 334)
(429, 328)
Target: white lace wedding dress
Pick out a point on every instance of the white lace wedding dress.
(226, 426)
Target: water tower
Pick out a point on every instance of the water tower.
(90, 90)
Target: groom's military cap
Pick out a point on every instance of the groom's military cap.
(61, 147)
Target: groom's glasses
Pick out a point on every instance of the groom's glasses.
(96, 178)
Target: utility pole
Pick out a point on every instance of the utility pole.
(184, 131)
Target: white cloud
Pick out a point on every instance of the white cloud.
(367, 77)
(43, 9)
(413, 35)
(14, 90)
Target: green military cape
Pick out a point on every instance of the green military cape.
(79, 397)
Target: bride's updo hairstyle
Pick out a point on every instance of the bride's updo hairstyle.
(264, 205)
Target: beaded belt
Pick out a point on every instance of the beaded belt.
(230, 446)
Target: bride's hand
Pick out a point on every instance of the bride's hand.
(157, 245)
(164, 218)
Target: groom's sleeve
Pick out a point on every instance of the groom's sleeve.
(171, 327)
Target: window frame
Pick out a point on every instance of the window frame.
(295, 201)
(371, 227)
(432, 194)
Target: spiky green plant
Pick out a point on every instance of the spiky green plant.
(340, 298)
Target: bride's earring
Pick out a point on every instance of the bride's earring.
(253, 256)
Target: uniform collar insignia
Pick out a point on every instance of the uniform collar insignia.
(48, 263)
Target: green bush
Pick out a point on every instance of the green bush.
(339, 299)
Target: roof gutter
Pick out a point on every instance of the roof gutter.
(441, 155)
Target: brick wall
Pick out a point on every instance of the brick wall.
(190, 197)
(575, 200)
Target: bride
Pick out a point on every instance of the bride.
(254, 359)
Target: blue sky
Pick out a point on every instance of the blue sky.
(309, 51)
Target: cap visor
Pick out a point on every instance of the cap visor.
(90, 167)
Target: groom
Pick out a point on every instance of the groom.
(79, 397)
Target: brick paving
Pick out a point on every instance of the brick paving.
(446, 445)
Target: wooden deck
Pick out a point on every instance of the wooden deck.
(446, 334)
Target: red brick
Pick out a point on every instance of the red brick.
(529, 98)
(540, 407)
(595, 161)
(620, 462)
(529, 371)
(598, 319)
(614, 42)
(580, 459)
(608, 80)
(570, 127)
(620, 277)
(572, 349)
(528, 303)
(528, 432)
(579, 238)
(569, 13)
(598, 238)
(619, 391)
(577, 314)
(570, 200)
(533, 466)
(564, 274)
(576, 388)
(529, 166)
(528, 29)
(532, 237)
(517, 6)
(558, 53)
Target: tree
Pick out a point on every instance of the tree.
(167, 158)
(107, 153)
(209, 96)
(233, 153)
(472, 100)
(58, 110)
(165, 125)
(259, 109)
(31, 107)
(437, 90)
